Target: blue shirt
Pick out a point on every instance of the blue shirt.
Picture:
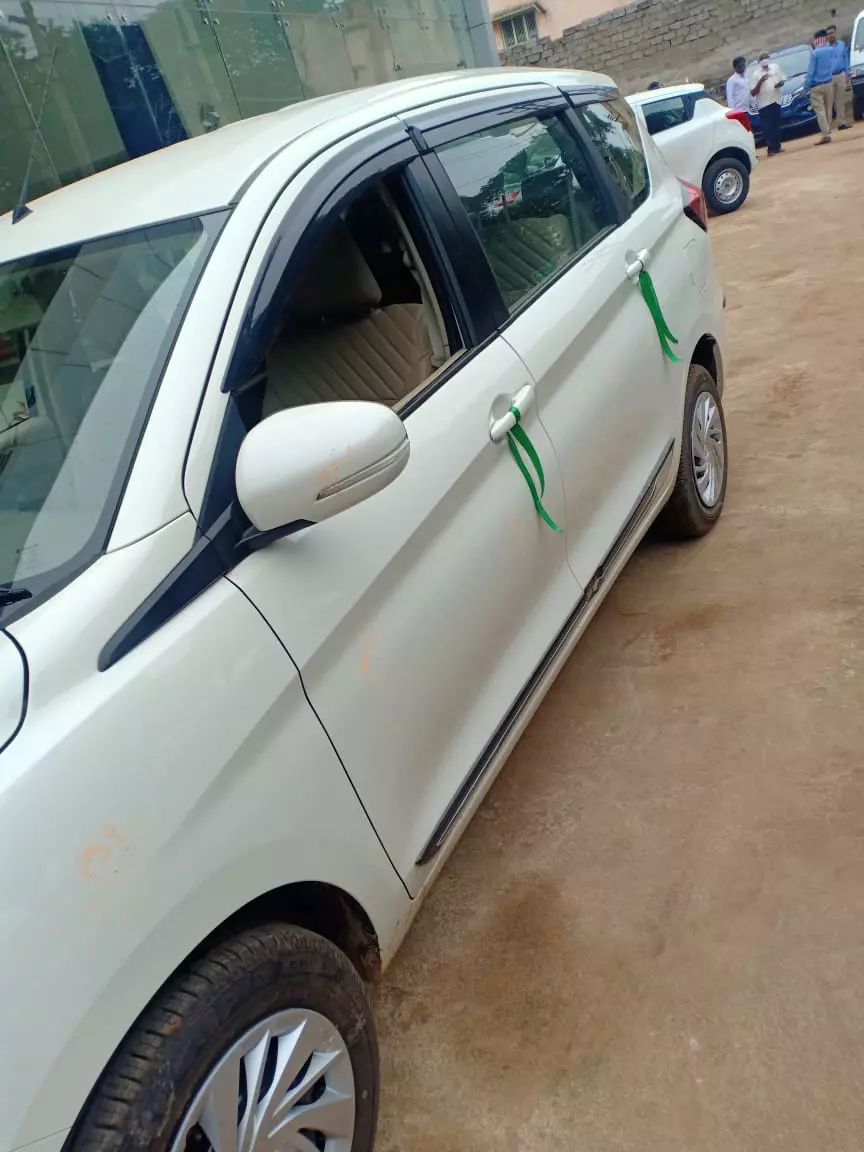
(840, 59)
(821, 66)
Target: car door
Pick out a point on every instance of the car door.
(683, 128)
(564, 260)
(416, 618)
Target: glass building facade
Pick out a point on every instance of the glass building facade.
(129, 78)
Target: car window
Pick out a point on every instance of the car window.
(364, 318)
(613, 128)
(663, 114)
(858, 44)
(532, 198)
(84, 336)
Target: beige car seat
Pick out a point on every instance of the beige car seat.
(350, 349)
(525, 252)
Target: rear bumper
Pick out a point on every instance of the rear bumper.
(858, 92)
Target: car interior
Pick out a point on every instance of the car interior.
(363, 322)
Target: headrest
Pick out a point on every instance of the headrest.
(336, 280)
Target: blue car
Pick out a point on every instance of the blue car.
(796, 115)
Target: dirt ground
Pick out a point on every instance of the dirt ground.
(652, 935)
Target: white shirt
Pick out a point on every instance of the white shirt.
(738, 93)
(770, 92)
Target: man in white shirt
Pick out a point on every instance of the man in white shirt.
(737, 88)
(767, 82)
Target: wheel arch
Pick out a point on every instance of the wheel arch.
(707, 353)
(319, 907)
(731, 153)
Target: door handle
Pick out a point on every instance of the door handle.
(638, 265)
(523, 400)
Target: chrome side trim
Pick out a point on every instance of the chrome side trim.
(383, 465)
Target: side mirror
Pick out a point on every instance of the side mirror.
(306, 464)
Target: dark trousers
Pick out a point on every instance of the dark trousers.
(769, 118)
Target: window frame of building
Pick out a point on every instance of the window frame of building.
(518, 27)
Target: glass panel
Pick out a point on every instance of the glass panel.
(181, 40)
(368, 41)
(17, 131)
(509, 33)
(85, 331)
(77, 126)
(258, 57)
(530, 25)
(663, 114)
(531, 198)
(613, 129)
(317, 40)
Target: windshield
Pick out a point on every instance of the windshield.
(84, 335)
(859, 35)
(790, 61)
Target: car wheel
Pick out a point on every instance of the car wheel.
(726, 184)
(700, 486)
(269, 1032)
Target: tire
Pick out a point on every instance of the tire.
(204, 1019)
(687, 513)
(736, 177)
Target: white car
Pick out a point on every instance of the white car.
(856, 66)
(258, 664)
(703, 142)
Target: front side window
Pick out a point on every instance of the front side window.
(613, 128)
(661, 115)
(531, 197)
(84, 335)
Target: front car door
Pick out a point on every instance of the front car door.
(416, 618)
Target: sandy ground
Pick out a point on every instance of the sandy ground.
(652, 936)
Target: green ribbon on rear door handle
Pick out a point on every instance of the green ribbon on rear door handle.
(649, 295)
(517, 437)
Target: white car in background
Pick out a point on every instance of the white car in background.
(276, 599)
(702, 141)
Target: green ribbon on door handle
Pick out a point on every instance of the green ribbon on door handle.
(517, 437)
(649, 295)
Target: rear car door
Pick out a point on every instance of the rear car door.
(557, 260)
(416, 618)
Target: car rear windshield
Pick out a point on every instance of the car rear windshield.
(85, 332)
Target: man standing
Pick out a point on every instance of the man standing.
(737, 88)
(820, 83)
(839, 78)
(768, 80)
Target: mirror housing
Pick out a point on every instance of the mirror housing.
(306, 464)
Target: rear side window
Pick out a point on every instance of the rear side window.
(613, 128)
(663, 114)
(531, 197)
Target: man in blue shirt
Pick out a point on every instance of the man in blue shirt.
(840, 78)
(737, 88)
(820, 82)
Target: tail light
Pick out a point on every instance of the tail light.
(695, 207)
(741, 117)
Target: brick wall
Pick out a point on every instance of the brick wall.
(669, 40)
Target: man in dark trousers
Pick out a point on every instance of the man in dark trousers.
(767, 82)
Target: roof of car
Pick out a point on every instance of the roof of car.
(207, 172)
(666, 90)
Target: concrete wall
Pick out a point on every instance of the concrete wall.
(670, 40)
